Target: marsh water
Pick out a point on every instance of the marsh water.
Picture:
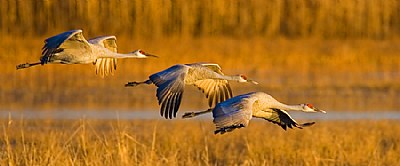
(154, 115)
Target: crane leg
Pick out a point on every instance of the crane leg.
(133, 84)
(228, 128)
(193, 114)
(26, 65)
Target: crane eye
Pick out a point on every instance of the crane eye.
(310, 105)
(141, 52)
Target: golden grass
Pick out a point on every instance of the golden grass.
(373, 19)
(153, 142)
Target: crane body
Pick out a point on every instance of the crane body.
(237, 111)
(207, 77)
(72, 48)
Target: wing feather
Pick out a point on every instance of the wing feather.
(170, 83)
(236, 112)
(168, 106)
(163, 106)
(109, 42)
(66, 41)
(173, 103)
(281, 118)
(221, 93)
(105, 66)
(98, 68)
(233, 113)
(211, 99)
(215, 90)
(228, 91)
(214, 67)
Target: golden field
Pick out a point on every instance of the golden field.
(338, 55)
(160, 142)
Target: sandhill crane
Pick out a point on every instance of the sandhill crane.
(72, 48)
(236, 112)
(206, 76)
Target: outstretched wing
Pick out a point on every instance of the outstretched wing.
(215, 90)
(105, 66)
(170, 83)
(233, 113)
(71, 42)
(214, 67)
(281, 118)
(109, 42)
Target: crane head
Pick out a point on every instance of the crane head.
(243, 78)
(141, 54)
(310, 108)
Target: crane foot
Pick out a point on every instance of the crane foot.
(188, 115)
(133, 84)
(228, 128)
(24, 65)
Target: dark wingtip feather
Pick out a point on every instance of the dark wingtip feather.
(163, 113)
(170, 106)
(178, 103)
(174, 104)
(164, 110)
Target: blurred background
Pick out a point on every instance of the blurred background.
(338, 55)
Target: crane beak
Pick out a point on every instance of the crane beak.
(253, 82)
(151, 55)
(318, 110)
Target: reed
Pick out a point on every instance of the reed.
(333, 19)
(159, 142)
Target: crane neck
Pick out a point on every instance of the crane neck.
(290, 107)
(119, 55)
(227, 77)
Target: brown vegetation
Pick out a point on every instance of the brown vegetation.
(90, 142)
(335, 19)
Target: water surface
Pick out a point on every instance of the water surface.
(153, 115)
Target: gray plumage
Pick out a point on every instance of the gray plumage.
(72, 48)
(105, 66)
(236, 112)
(207, 77)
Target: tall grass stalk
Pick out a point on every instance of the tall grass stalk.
(179, 142)
(367, 19)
